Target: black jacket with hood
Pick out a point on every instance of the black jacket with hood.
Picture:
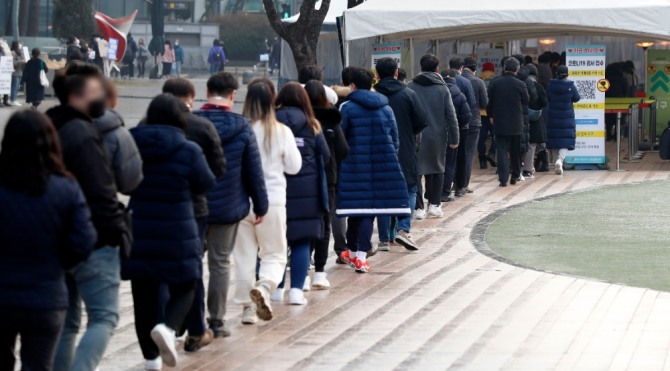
(331, 119)
(86, 158)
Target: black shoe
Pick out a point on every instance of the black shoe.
(460, 192)
(503, 184)
(527, 175)
(218, 327)
(448, 198)
(339, 261)
(482, 162)
(469, 190)
(492, 161)
(513, 181)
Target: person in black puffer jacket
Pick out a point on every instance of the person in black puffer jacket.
(464, 116)
(330, 119)
(537, 133)
(306, 192)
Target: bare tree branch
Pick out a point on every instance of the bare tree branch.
(274, 18)
(323, 10)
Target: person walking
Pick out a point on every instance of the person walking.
(142, 56)
(507, 98)
(231, 200)
(175, 169)
(201, 132)
(442, 132)
(561, 127)
(463, 116)
(471, 141)
(410, 116)
(131, 54)
(167, 59)
(19, 63)
(120, 145)
(306, 191)
(179, 58)
(216, 58)
(537, 132)
(486, 132)
(330, 119)
(95, 281)
(371, 182)
(264, 241)
(45, 228)
(31, 77)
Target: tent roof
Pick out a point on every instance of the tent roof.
(499, 20)
(337, 7)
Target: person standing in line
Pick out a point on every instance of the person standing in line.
(306, 191)
(168, 58)
(537, 132)
(442, 132)
(167, 246)
(96, 281)
(468, 91)
(544, 74)
(19, 63)
(201, 132)
(371, 182)
(488, 74)
(179, 59)
(120, 145)
(315, 73)
(142, 56)
(507, 98)
(241, 187)
(410, 116)
(330, 119)
(31, 77)
(463, 116)
(45, 228)
(561, 127)
(472, 139)
(280, 157)
(216, 57)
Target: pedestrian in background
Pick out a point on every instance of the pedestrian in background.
(31, 77)
(45, 228)
(167, 247)
(179, 59)
(306, 191)
(19, 63)
(131, 54)
(168, 58)
(142, 56)
(561, 127)
(216, 57)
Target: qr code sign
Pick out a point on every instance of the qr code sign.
(586, 89)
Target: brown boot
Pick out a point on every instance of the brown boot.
(194, 343)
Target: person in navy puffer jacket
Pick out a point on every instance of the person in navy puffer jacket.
(371, 182)
(307, 191)
(561, 126)
(464, 115)
(167, 244)
(229, 202)
(45, 228)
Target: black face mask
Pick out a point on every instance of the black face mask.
(97, 108)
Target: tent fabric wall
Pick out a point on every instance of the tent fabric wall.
(328, 58)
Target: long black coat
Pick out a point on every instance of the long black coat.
(31, 77)
(507, 98)
(538, 132)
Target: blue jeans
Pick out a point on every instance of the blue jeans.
(484, 134)
(387, 231)
(214, 67)
(96, 282)
(300, 259)
(16, 83)
(176, 68)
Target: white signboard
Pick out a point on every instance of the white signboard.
(386, 50)
(26, 54)
(112, 49)
(494, 56)
(587, 70)
(6, 69)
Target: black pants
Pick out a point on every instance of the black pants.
(320, 246)
(39, 331)
(434, 183)
(167, 68)
(508, 144)
(195, 320)
(459, 178)
(131, 69)
(359, 233)
(146, 296)
(141, 66)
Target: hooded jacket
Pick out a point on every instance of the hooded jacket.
(229, 201)
(331, 119)
(442, 129)
(167, 246)
(538, 132)
(371, 182)
(306, 191)
(410, 116)
(86, 158)
(561, 127)
(508, 101)
(481, 98)
(461, 105)
(125, 157)
(469, 93)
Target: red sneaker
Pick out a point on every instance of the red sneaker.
(362, 267)
(347, 259)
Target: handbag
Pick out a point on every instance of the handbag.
(534, 115)
(44, 81)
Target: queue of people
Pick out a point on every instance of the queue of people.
(266, 188)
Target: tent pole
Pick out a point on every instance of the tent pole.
(346, 54)
(410, 63)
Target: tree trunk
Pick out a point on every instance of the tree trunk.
(15, 19)
(303, 35)
(23, 17)
(353, 3)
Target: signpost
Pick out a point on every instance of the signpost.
(112, 49)
(6, 69)
(587, 70)
(658, 85)
(386, 50)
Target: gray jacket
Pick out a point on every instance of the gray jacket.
(481, 97)
(123, 152)
(442, 127)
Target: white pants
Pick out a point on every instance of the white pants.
(266, 241)
(559, 154)
(529, 160)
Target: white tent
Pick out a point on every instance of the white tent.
(507, 20)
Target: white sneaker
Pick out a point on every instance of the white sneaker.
(320, 281)
(558, 167)
(435, 211)
(420, 214)
(153, 364)
(249, 316)
(521, 178)
(307, 285)
(16, 104)
(164, 338)
(278, 295)
(296, 297)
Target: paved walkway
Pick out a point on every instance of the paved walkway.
(449, 306)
